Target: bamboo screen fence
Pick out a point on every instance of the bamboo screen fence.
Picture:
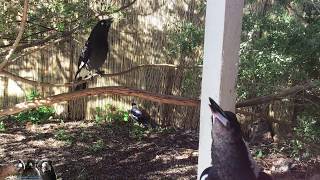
(138, 38)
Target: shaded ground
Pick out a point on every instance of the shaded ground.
(84, 150)
(90, 151)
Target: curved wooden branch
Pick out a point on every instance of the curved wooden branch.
(278, 96)
(70, 84)
(16, 42)
(123, 91)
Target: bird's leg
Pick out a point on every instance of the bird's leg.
(100, 72)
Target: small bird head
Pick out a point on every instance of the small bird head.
(225, 123)
(45, 165)
(106, 22)
(20, 166)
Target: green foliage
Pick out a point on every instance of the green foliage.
(47, 17)
(62, 135)
(185, 45)
(36, 115)
(259, 153)
(278, 49)
(137, 132)
(97, 146)
(34, 94)
(184, 39)
(2, 126)
(308, 128)
(306, 134)
(110, 113)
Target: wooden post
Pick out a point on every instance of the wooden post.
(220, 67)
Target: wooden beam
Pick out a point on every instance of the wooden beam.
(123, 91)
(220, 67)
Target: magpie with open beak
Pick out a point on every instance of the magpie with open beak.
(231, 159)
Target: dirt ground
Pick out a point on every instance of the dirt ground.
(86, 150)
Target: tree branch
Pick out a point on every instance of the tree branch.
(16, 42)
(278, 96)
(70, 84)
(123, 91)
(35, 49)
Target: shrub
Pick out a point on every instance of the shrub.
(2, 126)
(110, 113)
(307, 133)
(35, 115)
(62, 135)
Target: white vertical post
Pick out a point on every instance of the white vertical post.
(220, 66)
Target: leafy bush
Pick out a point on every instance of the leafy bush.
(2, 126)
(307, 132)
(185, 44)
(34, 94)
(36, 115)
(97, 146)
(110, 113)
(137, 131)
(62, 135)
(308, 128)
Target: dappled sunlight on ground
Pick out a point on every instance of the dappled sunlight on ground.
(86, 150)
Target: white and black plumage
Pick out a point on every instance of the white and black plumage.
(231, 159)
(141, 116)
(30, 171)
(94, 52)
(46, 170)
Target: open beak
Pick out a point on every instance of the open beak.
(217, 112)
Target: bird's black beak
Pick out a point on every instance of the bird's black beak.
(217, 112)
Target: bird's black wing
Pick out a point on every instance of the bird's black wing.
(209, 174)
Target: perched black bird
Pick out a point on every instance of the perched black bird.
(141, 116)
(94, 52)
(46, 170)
(231, 159)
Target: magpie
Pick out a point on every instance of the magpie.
(29, 171)
(46, 170)
(141, 116)
(94, 52)
(231, 159)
